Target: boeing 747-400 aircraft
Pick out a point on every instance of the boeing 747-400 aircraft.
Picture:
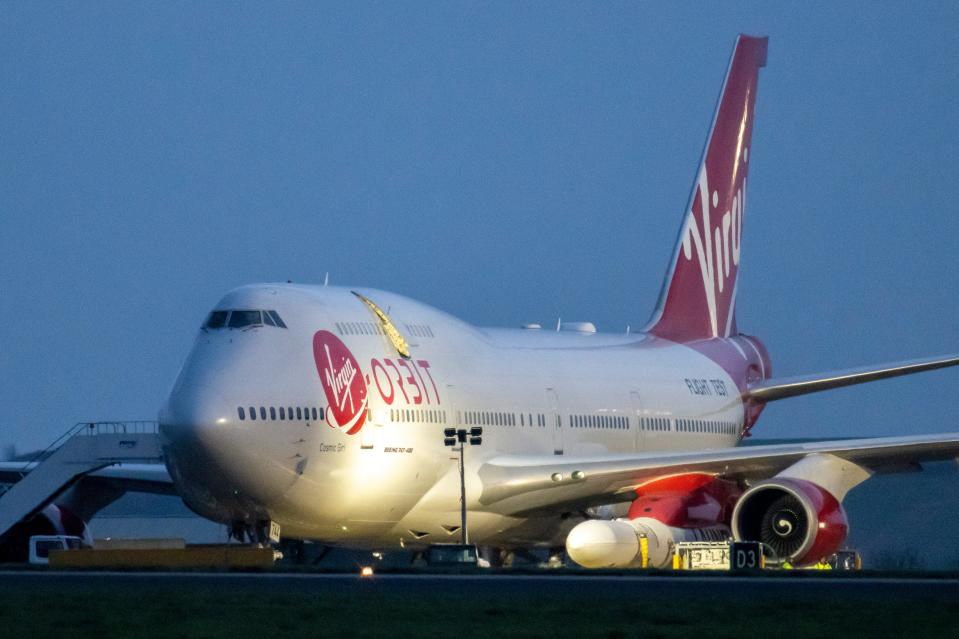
(323, 409)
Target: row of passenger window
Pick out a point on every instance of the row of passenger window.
(618, 422)
(705, 426)
(419, 330)
(421, 415)
(495, 418)
(243, 319)
(371, 328)
(654, 423)
(285, 413)
(358, 328)
(663, 424)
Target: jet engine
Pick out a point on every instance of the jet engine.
(800, 521)
(616, 543)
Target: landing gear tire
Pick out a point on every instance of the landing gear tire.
(497, 557)
(556, 558)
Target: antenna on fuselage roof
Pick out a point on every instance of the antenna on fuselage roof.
(627, 329)
(326, 279)
(559, 323)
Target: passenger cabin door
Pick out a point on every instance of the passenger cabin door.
(554, 421)
(636, 421)
(371, 433)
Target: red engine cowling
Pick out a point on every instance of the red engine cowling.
(800, 521)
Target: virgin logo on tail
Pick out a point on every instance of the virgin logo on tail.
(342, 381)
(698, 299)
(718, 252)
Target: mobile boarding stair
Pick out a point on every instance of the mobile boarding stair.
(85, 448)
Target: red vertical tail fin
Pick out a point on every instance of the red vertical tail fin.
(698, 299)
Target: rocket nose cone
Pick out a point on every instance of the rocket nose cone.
(603, 544)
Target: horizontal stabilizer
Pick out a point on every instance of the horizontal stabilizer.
(773, 389)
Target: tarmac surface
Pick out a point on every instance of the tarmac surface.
(167, 605)
(692, 585)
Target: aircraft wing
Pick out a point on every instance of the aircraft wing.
(516, 485)
(773, 389)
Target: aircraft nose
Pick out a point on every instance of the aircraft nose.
(198, 431)
(195, 415)
(220, 465)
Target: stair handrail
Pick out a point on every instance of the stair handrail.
(133, 426)
(129, 426)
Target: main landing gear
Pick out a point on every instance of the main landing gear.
(262, 532)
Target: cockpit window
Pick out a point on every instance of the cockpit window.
(241, 319)
(217, 319)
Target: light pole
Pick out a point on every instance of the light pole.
(462, 436)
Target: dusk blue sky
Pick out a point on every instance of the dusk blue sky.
(508, 163)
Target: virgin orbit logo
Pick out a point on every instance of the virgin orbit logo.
(342, 381)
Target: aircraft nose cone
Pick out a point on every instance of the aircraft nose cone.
(224, 468)
(194, 415)
(198, 432)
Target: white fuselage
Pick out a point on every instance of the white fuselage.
(393, 481)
